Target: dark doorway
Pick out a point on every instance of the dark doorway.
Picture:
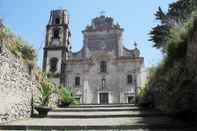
(131, 99)
(104, 98)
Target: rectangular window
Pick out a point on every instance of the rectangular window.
(77, 81)
(131, 99)
(129, 79)
(103, 66)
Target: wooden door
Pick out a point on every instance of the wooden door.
(104, 98)
(130, 99)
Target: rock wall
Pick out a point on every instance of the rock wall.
(192, 49)
(17, 86)
(192, 63)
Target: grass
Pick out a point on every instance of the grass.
(17, 46)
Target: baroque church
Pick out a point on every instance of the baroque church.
(103, 71)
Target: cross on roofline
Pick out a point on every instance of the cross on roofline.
(60, 7)
(135, 44)
(102, 12)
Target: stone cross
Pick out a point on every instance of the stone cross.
(135, 44)
(102, 13)
(60, 7)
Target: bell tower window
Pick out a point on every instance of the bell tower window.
(77, 81)
(53, 64)
(56, 34)
(103, 66)
(57, 21)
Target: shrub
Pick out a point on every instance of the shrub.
(65, 96)
(45, 91)
(177, 42)
(28, 52)
(46, 88)
(76, 101)
(145, 98)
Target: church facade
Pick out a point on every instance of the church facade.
(103, 71)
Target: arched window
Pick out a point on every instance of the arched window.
(56, 34)
(103, 66)
(53, 64)
(57, 21)
(77, 81)
(129, 79)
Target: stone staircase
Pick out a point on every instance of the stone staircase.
(100, 117)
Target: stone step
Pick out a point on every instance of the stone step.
(94, 124)
(103, 114)
(91, 117)
(96, 105)
(97, 109)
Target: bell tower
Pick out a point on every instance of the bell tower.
(57, 46)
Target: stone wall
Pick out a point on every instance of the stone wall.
(192, 62)
(17, 86)
(192, 49)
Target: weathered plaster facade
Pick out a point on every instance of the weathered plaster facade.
(122, 75)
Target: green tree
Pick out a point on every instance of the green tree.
(178, 13)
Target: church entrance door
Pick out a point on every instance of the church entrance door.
(131, 99)
(104, 98)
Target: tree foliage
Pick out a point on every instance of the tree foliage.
(178, 13)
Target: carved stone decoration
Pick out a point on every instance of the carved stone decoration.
(101, 44)
(55, 42)
(136, 53)
(102, 23)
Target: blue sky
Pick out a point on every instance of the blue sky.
(28, 18)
